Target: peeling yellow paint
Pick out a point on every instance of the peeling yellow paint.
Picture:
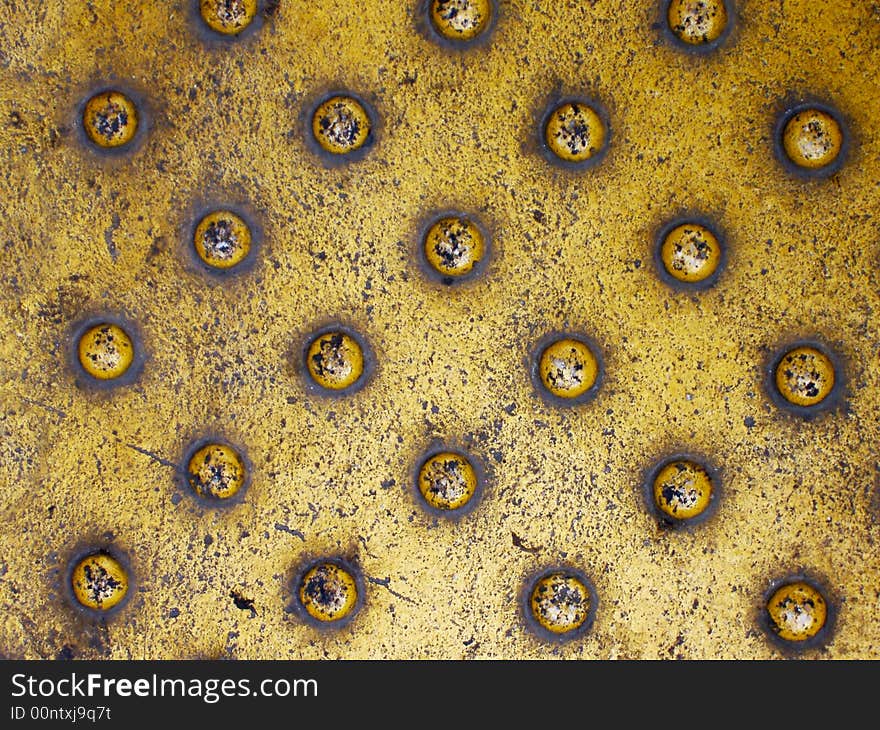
(456, 127)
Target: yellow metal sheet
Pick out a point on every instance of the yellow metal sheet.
(455, 128)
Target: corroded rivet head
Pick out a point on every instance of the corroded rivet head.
(341, 125)
(697, 22)
(453, 246)
(568, 368)
(812, 138)
(575, 132)
(110, 119)
(460, 20)
(105, 351)
(805, 376)
(216, 471)
(797, 611)
(335, 360)
(682, 490)
(222, 239)
(99, 581)
(229, 17)
(328, 592)
(561, 603)
(690, 253)
(447, 481)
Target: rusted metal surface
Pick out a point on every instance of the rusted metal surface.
(225, 123)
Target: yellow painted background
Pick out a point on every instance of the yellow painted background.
(84, 233)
